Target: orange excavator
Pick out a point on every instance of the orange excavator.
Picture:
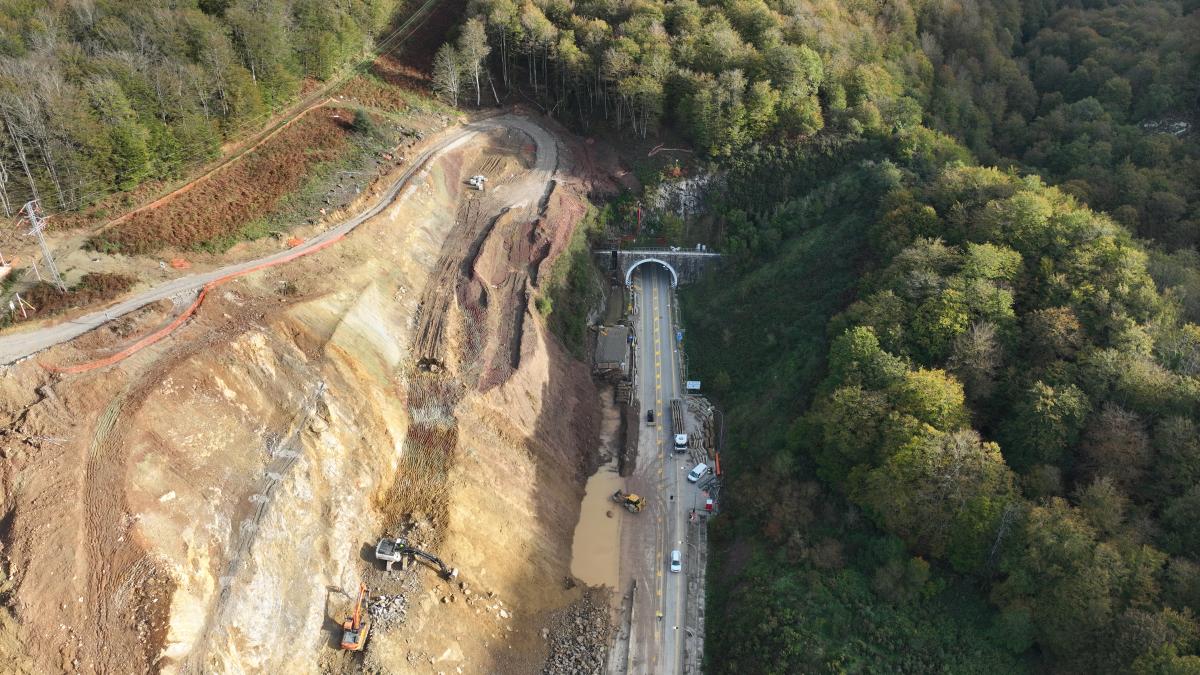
(355, 627)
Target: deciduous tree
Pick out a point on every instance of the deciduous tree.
(447, 74)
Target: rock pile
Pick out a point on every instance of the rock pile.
(388, 610)
(579, 636)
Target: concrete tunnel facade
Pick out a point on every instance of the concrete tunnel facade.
(629, 272)
(685, 266)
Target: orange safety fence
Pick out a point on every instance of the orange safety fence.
(184, 316)
(718, 460)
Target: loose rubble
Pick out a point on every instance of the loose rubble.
(388, 611)
(579, 636)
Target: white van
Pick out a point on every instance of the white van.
(676, 561)
(698, 472)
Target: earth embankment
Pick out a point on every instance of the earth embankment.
(210, 503)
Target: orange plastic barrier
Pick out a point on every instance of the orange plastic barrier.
(184, 316)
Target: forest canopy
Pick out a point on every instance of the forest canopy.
(965, 408)
(97, 96)
(1099, 99)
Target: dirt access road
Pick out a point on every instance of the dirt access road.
(21, 345)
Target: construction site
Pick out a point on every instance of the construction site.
(302, 412)
(368, 457)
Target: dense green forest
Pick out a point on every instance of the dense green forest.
(1079, 97)
(97, 96)
(1097, 98)
(955, 340)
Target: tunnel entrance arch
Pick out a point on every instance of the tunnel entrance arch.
(643, 261)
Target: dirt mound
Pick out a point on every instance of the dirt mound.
(496, 295)
(579, 636)
(564, 209)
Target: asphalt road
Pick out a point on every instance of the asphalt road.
(16, 346)
(659, 383)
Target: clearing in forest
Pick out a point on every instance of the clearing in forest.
(215, 211)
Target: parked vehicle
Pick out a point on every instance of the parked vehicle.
(698, 472)
(676, 561)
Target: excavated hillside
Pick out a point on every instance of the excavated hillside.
(211, 503)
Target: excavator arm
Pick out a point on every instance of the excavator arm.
(443, 568)
(393, 550)
(354, 629)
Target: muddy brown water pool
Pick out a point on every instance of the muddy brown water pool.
(595, 552)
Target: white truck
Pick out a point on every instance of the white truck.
(677, 426)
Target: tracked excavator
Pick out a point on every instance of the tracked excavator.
(392, 551)
(356, 626)
(631, 502)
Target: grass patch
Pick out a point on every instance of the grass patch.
(377, 88)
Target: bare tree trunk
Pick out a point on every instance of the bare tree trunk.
(4, 178)
(603, 95)
(44, 146)
(504, 56)
(493, 86)
(479, 96)
(21, 155)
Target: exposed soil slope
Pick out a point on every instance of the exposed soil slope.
(209, 504)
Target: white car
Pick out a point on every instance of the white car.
(676, 561)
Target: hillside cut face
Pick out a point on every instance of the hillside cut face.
(213, 502)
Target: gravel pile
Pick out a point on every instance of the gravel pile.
(579, 636)
(388, 610)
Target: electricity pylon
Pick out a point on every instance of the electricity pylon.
(37, 224)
